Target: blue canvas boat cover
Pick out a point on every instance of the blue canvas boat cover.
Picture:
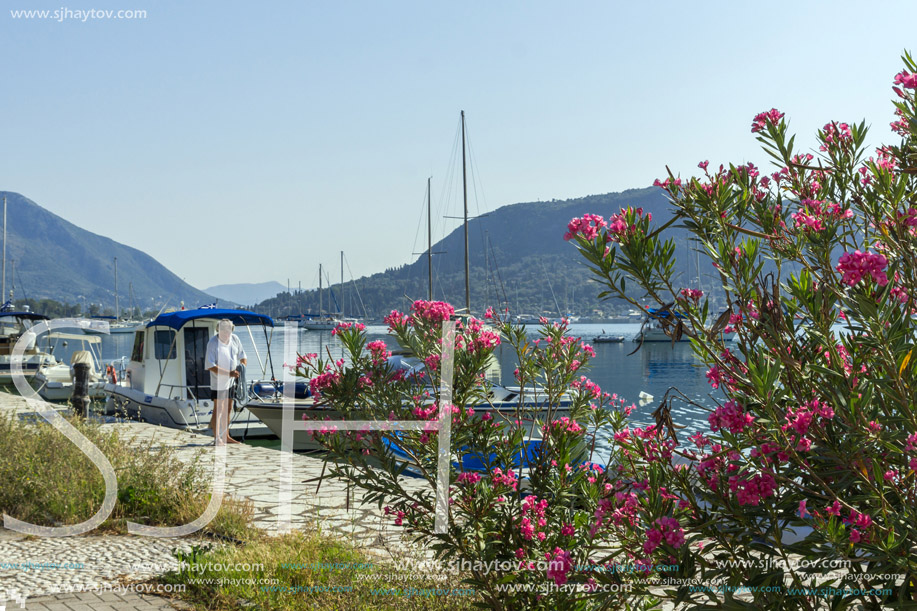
(178, 319)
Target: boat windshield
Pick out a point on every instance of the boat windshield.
(13, 326)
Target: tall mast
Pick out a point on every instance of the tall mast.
(117, 303)
(342, 284)
(429, 244)
(465, 199)
(320, 290)
(3, 291)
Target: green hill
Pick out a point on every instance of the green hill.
(518, 257)
(55, 259)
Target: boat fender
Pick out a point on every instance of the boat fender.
(111, 374)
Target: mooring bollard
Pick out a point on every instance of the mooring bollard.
(79, 398)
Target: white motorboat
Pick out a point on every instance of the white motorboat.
(166, 382)
(105, 325)
(14, 325)
(54, 381)
(604, 338)
(319, 323)
(653, 329)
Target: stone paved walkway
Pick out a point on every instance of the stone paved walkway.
(90, 601)
(106, 561)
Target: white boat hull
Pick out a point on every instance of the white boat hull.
(54, 384)
(657, 335)
(31, 363)
(271, 414)
(183, 414)
(319, 326)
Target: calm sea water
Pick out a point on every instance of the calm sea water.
(653, 369)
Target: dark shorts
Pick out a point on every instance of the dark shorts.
(220, 394)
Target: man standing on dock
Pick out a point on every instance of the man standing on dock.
(224, 355)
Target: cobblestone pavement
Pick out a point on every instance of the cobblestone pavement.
(252, 473)
(91, 601)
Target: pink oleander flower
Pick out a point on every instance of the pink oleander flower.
(693, 294)
(665, 184)
(559, 564)
(396, 319)
(857, 265)
(432, 311)
(485, 340)
(750, 491)
(906, 79)
(499, 478)
(567, 530)
(855, 536)
(834, 509)
(323, 381)
(715, 376)
(379, 351)
(761, 119)
(813, 213)
(730, 417)
(911, 443)
(836, 133)
(589, 227)
(666, 529)
(468, 476)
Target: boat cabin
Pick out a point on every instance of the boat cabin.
(13, 325)
(167, 358)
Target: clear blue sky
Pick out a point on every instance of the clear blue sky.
(303, 128)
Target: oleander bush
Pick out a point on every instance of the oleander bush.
(811, 457)
(802, 493)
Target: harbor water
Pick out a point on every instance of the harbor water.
(653, 369)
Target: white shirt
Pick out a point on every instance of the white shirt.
(225, 356)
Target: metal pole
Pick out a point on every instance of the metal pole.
(429, 244)
(3, 292)
(342, 284)
(117, 303)
(465, 198)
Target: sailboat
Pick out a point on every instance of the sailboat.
(115, 324)
(15, 325)
(321, 322)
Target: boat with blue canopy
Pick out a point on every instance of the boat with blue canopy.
(166, 381)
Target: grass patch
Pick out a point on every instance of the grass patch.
(48, 481)
(308, 571)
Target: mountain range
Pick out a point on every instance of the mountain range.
(49, 257)
(518, 260)
(246, 293)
